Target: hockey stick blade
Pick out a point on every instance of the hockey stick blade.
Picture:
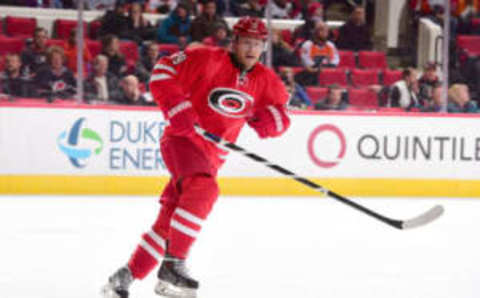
(423, 219)
(415, 222)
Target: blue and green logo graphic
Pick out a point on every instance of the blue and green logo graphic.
(80, 143)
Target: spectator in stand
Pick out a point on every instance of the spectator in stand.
(100, 4)
(427, 81)
(161, 6)
(319, 52)
(220, 35)
(438, 17)
(12, 81)
(55, 81)
(283, 54)
(334, 100)
(281, 9)
(459, 100)
(139, 28)
(298, 96)
(176, 27)
(130, 93)
(34, 57)
(316, 54)
(116, 61)
(70, 48)
(101, 84)
(114, 22)
(437, 99)
(355, 34)
(253, 8)
(146, 63)
(405, 93)
(205, 24)
(65, 4)
(314, 15)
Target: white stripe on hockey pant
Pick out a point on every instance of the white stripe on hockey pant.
(160, 77)
(144, 244)
(178, 108)
(189, 216)
(277, 117)
(183, 229)
(165, 67)
(158, 240)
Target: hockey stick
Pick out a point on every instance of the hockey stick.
(415, 222)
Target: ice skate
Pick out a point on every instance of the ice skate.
(118, 284)
(174, 280)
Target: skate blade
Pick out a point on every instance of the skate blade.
(168, 290)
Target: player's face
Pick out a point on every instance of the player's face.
(248, 50)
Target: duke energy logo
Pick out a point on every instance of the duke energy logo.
(80, 143)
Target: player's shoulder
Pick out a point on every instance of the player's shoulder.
(205, 52)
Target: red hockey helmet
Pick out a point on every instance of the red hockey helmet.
(250, 27)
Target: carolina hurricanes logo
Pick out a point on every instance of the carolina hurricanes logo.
(59, 86)
(230, 102)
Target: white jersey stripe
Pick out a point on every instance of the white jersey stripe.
(277, 117)
(160, 77)
(165, 67)
(178, 108)
(144, 244)
(183, 229)
(189, 216)
(158, 240)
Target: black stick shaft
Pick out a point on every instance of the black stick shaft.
(233, 147)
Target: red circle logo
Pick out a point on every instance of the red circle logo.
(311, 141)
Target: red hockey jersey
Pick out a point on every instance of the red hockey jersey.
(221, 94)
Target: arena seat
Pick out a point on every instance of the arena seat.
(363, 97)
(93, 28)
(94, 46)
(287, 36)
(56, 42)
(129, 49)
(468, 42)
(364, 77)
(391, 76)
(20, 27)
(10, 45)
(347, 60)
(166, 49)
(316, 94)
(371, 59)
(63, 28)
(328, 76)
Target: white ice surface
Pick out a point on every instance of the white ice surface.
(59, 247)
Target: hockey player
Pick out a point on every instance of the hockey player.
(219, 91)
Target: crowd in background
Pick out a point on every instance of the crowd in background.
(299, 57)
